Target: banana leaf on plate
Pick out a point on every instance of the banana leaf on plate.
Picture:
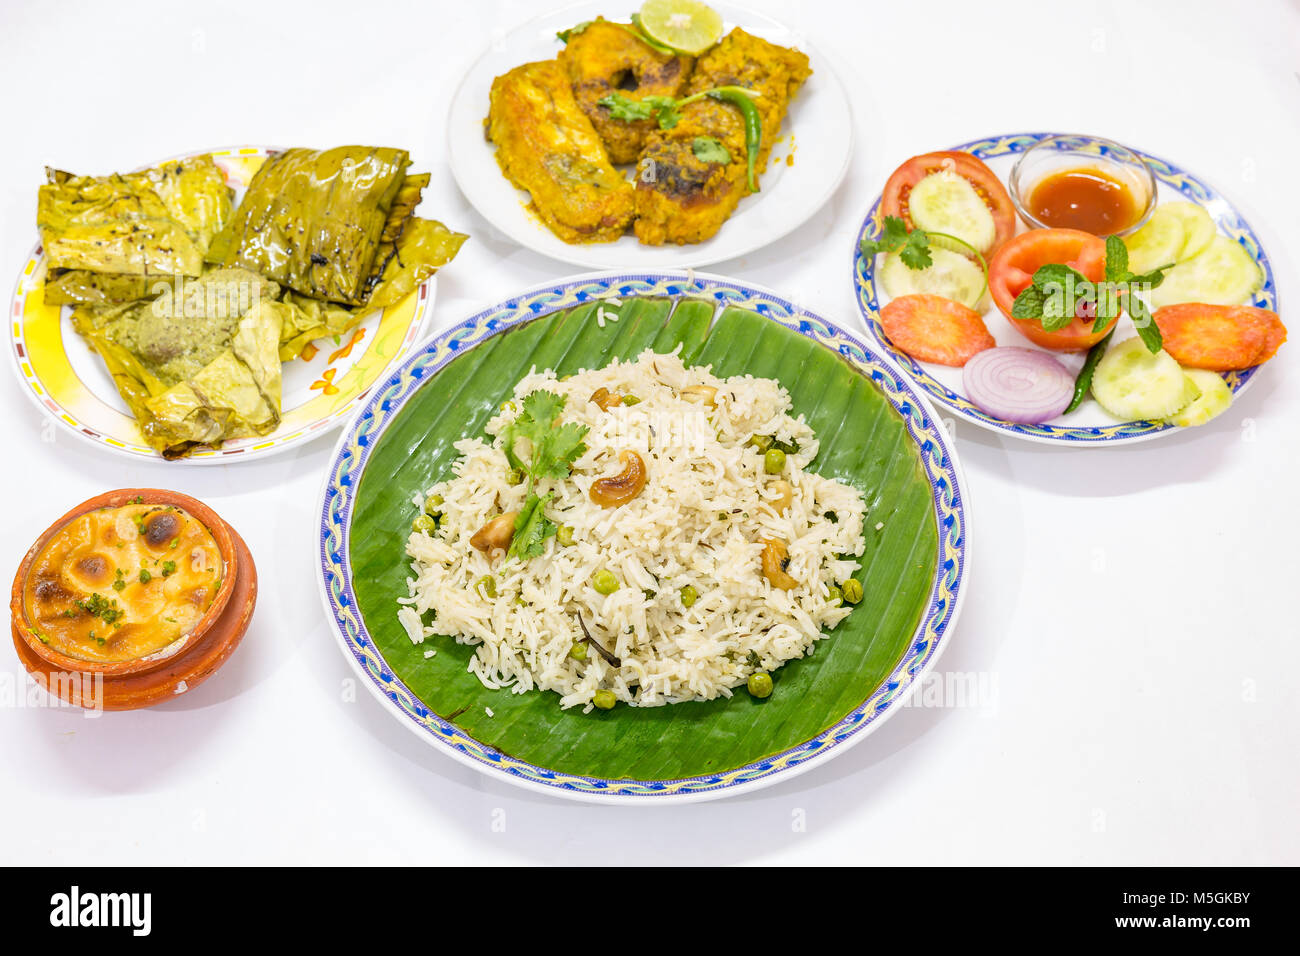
(864, 441)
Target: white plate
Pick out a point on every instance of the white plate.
(818, 132)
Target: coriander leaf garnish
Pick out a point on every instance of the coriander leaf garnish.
(709, 150)
(532, 528)
(573, 31)
(555, 447)
(913, 246)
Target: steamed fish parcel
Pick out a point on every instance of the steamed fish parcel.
(324, 223)
(106, 237)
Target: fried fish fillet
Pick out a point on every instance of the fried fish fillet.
(547, 146)
(681, 198)
(604, 58)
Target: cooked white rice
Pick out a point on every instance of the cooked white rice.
(699, 521)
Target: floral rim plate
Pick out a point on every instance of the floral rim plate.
(1087, 424)
(920, 431)
(70, 384)
(809, 159)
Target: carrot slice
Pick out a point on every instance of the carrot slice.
(1220, 338)
(931, 328)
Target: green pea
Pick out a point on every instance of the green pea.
(759, 684)
(834, 594)
(631, 400)
(432, 504)
(761, 442)
(604, 699)
(604, 582)
(689, 595)
(774, 461)
(565, 536)
(515, 476)
(487, 586)
(578, 651)
(424, 523)
(852, 590)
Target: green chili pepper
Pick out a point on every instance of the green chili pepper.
(743, 100)
(1084, 382)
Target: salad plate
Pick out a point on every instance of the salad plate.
(808, 161)
(876, 434)
(71, 385)
(1089, 423)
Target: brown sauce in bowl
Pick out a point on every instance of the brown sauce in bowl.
(1089, 199)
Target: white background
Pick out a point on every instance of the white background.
(1132, 609)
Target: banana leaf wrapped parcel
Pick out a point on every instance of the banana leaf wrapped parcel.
(197, 368)
(328, 223)
(193, 306)
(107, 238)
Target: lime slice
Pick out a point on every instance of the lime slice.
(687, 26)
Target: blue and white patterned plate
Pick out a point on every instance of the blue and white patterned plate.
(1089, 424)
(348, 463)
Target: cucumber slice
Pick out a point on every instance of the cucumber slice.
(1215, 397)
(1223, 274)
(1134, 385)
(1158, 243)
(946, 202)
(951, 275)
(1198, 228)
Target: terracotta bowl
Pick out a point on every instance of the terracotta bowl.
(183, 664)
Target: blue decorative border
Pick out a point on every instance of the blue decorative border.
(360, 435)
(1225, 216)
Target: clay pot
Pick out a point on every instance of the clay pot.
(177, 668)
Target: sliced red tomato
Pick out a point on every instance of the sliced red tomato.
(893, 202)
(1012, 268)
(1220, 338)
(931, 328)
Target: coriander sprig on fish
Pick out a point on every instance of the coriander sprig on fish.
(666, 110)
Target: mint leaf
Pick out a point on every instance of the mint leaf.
(1028, 304)
(1147, 329)
(1116, 259)
(1059, 273)
(709, 150)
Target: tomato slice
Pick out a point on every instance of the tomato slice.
(1012, 269)
(893, 201)
(931, 328)
(1220, 338)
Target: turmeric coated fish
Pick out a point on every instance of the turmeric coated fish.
(686, 188)
(604, 58)
(548, 146)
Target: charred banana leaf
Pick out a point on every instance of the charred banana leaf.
(158, 222)
(322, 223)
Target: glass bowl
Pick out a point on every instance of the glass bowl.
(1071, 151)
